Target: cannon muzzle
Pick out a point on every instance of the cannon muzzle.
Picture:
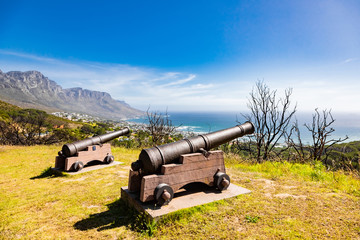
(151, 159)
(71, 149)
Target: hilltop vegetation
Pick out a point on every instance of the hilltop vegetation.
(32, 126)
(20, 126)
(6, 107)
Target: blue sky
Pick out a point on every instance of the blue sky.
(190, 55)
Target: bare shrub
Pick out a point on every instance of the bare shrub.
(321, 144)
(271, 117)
(160, 127)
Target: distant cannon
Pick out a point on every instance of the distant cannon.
(162, 170)
(74, 156)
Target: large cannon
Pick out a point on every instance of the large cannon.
(74, 156)
(162, 170)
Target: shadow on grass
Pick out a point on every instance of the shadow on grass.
(118, 214)
(49, 173)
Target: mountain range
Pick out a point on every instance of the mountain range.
(32, 89)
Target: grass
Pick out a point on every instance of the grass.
(288, 201)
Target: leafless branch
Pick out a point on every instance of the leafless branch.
(271, 117)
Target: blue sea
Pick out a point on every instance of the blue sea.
(204, 122)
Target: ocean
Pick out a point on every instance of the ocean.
(204, 122)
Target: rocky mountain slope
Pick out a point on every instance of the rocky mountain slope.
(33, 90)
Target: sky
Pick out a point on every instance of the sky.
(190, 55)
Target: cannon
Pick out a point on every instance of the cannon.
(74, 156)
(162, 170)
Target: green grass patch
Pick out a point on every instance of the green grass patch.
(252, 219)
(336, 181)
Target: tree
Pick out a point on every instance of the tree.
(160, 127)
(321, 131)
(87, 129)
(6, 135)
(27, 125)
(271, 117)
(297, 145)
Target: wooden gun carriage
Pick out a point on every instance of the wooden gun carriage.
(163, 170)
(74, 156)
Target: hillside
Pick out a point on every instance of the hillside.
(33, 90)
(5, 108)
(288, 201)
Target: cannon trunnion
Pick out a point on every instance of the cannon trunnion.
(163, 170)
(74, 156)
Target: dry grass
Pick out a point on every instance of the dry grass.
(287, 202)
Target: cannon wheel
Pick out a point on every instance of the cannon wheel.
(78, 165)
(221, 180)
(163, 194)
(109, 159)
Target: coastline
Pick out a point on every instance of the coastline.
(205, 122)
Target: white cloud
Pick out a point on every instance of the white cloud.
(181, 81)
(138, 86)
(328, 86)
(349, 60)
(26, 56)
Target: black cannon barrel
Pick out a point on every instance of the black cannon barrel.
(71, 149)
(151, 159)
